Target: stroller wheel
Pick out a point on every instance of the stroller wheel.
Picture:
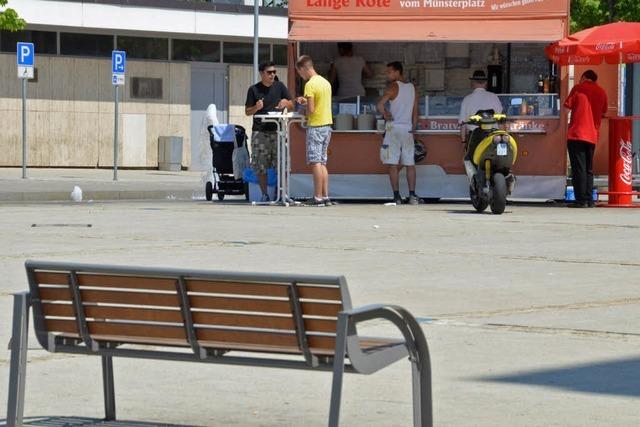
(208, 191)
(220, 195)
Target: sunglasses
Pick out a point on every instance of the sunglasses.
(271, 72)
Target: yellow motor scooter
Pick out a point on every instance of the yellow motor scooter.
(489, 168)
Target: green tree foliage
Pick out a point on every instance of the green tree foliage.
(589, 13)
(9, 19)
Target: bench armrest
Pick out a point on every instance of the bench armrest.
(414, 339)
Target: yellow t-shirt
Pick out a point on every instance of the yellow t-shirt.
(319, 89)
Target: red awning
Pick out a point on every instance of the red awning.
(615, 43)
(469, 30)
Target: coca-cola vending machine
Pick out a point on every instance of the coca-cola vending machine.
(621, 163)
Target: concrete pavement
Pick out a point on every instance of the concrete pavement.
(98, 184)
(533, 317)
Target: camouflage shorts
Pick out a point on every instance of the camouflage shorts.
(264, 151)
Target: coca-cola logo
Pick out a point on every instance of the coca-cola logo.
(580, 60)
(633, 57)
(605, 46)
(626, 154)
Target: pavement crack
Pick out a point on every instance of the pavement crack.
(590, 333)
(536, 309)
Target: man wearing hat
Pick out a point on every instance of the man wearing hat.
(479, 99)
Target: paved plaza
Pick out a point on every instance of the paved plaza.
(532, 317)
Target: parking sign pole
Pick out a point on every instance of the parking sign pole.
(25, 56)
(118, 67)
(24, 128)
(115, 136)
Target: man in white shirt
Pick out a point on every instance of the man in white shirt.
(479, 99)
(397, 149)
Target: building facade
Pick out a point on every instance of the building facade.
(181, 57)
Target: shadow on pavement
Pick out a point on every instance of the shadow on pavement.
(618, 377)
(59, 421)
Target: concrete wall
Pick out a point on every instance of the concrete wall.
(180, 18)
(71, 113)
(240, 78)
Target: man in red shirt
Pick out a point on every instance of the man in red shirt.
(588, 104)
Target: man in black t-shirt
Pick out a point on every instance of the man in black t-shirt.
(264, 96)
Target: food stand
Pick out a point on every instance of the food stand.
(440, 43)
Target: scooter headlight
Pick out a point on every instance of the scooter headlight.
(497, 139)
(506, 138)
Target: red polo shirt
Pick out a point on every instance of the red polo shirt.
(588, 104)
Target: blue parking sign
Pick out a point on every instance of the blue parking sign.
(25, 54)
(118, 62)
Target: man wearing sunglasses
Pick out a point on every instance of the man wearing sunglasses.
(268, 94)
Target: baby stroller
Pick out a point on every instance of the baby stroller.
(224, 139)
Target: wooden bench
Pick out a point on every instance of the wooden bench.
(208, 317)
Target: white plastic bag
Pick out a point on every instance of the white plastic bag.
(76, 194)
(240, 159)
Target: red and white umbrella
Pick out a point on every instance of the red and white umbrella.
(615, 43)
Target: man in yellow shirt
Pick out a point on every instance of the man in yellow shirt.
(317, 99)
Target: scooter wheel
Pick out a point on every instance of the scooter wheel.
(499, 197)
(208, 191)
(477, 201)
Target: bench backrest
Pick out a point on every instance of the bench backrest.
(204, 310)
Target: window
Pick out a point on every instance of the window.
(242, 53)
(86, 44)
(196, 50)
(144, 47)
(45, 41)
(146, 88)
(280, 54)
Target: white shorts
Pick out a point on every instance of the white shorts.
(397, 148)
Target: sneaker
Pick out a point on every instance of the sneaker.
(413, 200)
(313, 202)
(397, 200)
(265, 198)
(328, 202)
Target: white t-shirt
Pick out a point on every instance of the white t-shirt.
(402, 106)
(479, 99)
(349, 73)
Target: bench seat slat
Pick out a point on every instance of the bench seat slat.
(263, 338)
(59, 310)
(50, 278)
(60, 325)
(55, 294)
(133, 313)
(127, 282)
(136, 330)
(330, 293)
(132, 298)
(261, 348)
(262, 305)
(243, 320)
(247, 337)
(236, 288)
(199, 317)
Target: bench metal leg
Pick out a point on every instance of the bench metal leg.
(421, 378)
(338, 371)
(18, 370)
(109, 388)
